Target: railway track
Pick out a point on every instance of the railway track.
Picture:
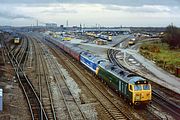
(63, 102)
(23, 53)
(165, 103)
(30, 93)
(113, 110)
(42, 79)
(16, 51)
(74, 111)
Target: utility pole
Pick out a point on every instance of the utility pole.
(80, 28)
(37, 23)
(67, 23)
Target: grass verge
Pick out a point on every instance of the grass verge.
(163, 56)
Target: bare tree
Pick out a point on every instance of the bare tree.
(172, 37)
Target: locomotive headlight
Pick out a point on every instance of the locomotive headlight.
(137, 97)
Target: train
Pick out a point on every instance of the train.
(16, 40)
(104, 37)
(67, 38)
(131, 41)
(134, 88)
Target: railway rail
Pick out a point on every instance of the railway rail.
(72, 107)
(16, 50)
(30, 93)
(48, 67)
(165, 103)
(42, 77)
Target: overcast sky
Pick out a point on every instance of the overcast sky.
(90, 12)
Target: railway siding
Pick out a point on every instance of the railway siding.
(34, 104)
(61, 94)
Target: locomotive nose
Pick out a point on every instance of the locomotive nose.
(142, 96)
(145, 96)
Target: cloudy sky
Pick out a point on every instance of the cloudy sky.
(90, 12)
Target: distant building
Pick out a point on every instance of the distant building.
(112, 29)
(51, 25)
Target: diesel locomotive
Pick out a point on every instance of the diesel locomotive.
(134, 88)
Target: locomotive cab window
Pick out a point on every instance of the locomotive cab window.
(137, 87)
(146, 87)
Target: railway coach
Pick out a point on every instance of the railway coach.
(132, 87)
(75, 53)
(90, 61)
(66, 47)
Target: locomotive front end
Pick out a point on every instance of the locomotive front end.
(141, 92)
